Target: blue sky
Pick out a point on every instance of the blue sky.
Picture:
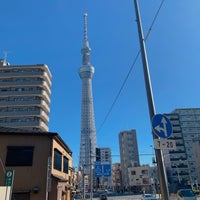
(51, 32)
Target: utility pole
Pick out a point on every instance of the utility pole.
(91, 172)
(152, 111)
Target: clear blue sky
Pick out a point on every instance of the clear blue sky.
(51, 32)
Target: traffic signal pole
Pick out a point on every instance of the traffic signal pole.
(158, 152)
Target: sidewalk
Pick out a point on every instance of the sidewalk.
(174, 197)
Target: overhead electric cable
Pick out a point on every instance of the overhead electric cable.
(130, 70)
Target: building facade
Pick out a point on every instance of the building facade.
(129, 154)
(88, 141)
(42, 163)
(196, 150)
(117, 177)
(140, 179)
(103, 156)
(25, 96)
(186, 133)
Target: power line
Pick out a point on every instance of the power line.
(118, 94)
(141, 154)
(130, 70)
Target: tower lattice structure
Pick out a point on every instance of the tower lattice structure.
(88, 142)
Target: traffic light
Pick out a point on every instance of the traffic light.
(98, 154)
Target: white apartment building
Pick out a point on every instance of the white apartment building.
(196, 150)
(184, 160)
(25, 96)
(141, 180)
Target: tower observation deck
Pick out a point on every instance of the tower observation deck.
(88, 141)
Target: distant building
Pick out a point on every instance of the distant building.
(103, 156)
(129, 154)
(42, 163)
(140, 179)
(117, 177)
(184, 160)
(196, 150)
(25, 96)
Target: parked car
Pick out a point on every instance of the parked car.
(77, 196)
(148, 197)
(186, 194)
(109, 192)
(103, 197)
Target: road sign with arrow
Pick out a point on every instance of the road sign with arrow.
(162, 126)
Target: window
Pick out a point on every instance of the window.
(133, 172)
(65, 165)
(145, 171)
(57, 160)
(19, 156)
(145, 180)
(21, 196)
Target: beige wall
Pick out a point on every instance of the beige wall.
(139, 175)
(62, 186)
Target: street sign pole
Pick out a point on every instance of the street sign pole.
(158, 152)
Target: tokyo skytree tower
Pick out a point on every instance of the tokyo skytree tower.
(88, 142)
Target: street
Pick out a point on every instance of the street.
(136, 197)
(125, 197)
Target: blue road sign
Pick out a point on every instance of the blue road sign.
(102, 170)
(98, 170)
(107, 170)
(162, 126)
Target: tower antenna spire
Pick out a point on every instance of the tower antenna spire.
(88, 131)
(86, 43)
(85, 26)
(86, 49)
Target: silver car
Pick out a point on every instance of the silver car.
(148, 197)
(186, 194)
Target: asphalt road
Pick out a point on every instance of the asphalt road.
(135, 197)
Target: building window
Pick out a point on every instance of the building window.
(145, 180)
(65, 165)
(21, 195)
(145, 171)
(133, 173)
(19, 156)
(57, 160)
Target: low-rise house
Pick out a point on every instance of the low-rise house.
(41, 161)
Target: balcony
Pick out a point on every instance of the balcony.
(177, 151)
(178, 159)
(11, 73)
(177, 137)
(179, 144)
(26, 125)
(21, 102)
(180, 166)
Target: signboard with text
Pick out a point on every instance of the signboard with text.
(98, 170)
(102, 170)
(164, 144)
(106, 170)
(9, 177)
